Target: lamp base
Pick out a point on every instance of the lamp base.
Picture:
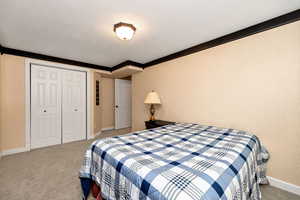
(152, 112)
(152, 118)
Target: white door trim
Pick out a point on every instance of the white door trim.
(28, 62)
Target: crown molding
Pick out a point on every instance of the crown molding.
(263, 26)
(126, 63)
(16, 52)
(1, 49)
(257, 28)
(260, 27)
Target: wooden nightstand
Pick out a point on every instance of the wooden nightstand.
(157, 123)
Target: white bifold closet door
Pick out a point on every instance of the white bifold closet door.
(45, 106)
(73, 106)
(58, 106)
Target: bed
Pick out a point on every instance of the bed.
(183, 161)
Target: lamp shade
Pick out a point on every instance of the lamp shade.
(152, 98)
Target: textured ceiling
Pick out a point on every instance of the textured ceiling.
(82, 30)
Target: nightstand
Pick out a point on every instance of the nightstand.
(157, 123)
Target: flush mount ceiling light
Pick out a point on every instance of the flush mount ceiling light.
(124, 31)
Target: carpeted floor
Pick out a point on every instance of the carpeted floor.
(52, 173)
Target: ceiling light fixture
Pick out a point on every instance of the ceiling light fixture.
(124, 31)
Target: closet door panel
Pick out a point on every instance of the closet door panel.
(45, 106)
(74, 106)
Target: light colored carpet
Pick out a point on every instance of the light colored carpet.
(52, 173)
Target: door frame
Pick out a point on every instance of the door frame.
(89, 90)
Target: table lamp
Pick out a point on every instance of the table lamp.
(152, 99)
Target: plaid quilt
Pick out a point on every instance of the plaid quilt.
(182, 161)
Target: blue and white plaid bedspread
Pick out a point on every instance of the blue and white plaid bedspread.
(181, 161)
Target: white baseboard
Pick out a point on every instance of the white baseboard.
(98, 133)
(14, 151)
(108, 128)
(89, 137)
(284, 185)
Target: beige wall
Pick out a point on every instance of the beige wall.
(108, 102)
(12, 106)
(251, 84)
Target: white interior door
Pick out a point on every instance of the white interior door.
(45, 106)
(122, 103)
(73, 105)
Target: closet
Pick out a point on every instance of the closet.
(58, 106)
